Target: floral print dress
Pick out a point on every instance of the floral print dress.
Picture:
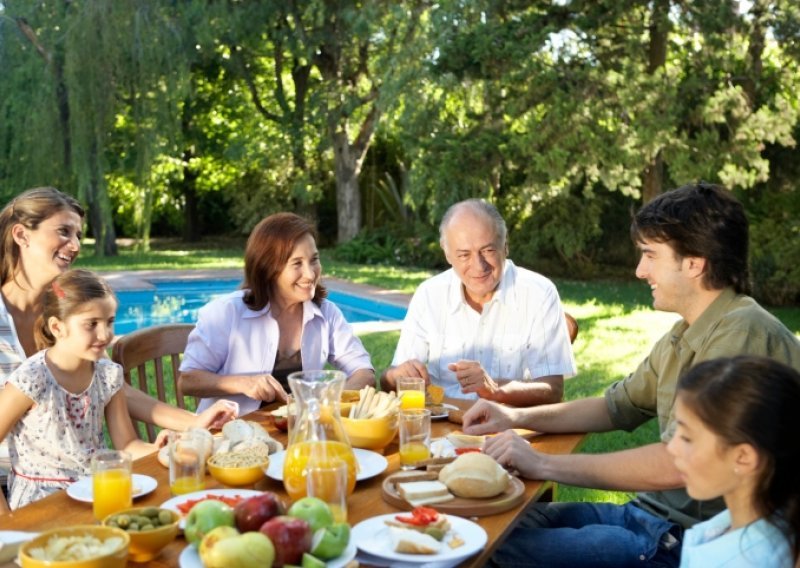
(52, 444)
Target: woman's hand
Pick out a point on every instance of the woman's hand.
(217, 415)
(263, 387)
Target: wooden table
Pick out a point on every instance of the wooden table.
(59, 510)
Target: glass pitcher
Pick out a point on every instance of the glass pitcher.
(317, 438)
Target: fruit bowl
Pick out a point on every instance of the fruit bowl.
(115, 557)
(250, 469)
(146, 544)
(370, 433)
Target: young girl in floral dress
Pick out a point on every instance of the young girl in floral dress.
(737, 438)
(53, 405)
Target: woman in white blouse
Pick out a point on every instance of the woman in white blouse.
(246, 343)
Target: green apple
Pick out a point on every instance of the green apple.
(206, 516)
(224, 547)
(311, 561)
(330, 542)
(315, 512)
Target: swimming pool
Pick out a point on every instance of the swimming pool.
(177, 301)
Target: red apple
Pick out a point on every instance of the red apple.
(291, 537)
(255, 511)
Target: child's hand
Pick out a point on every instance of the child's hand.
(217, 414)
(162, 439)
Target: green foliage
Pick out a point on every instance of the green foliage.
(415, 244)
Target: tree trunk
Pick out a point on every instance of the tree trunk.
(653, 182)
(188, 188)
(348, 195)
(100, 219)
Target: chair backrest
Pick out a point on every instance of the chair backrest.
(572, 327)
(142, 355)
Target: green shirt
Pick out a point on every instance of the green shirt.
(734, 324)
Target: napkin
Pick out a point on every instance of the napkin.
(9, 543)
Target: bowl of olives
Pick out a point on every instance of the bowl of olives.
(150, 529)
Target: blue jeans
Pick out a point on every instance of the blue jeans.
(573, 535)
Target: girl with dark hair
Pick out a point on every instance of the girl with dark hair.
(53, 405)
(246, 344)
(736, 438)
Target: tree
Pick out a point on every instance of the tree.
(330, 69)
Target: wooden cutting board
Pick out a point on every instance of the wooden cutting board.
(524, 433)
(461, 506)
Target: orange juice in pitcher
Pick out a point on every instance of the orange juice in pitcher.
(318, 438)
(301, 455)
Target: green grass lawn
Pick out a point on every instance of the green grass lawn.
(617, 329)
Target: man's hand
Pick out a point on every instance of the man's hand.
(488, 417)
(263, 387)
(410, 368)
(514, 452)
(474, 378)
(218, 414)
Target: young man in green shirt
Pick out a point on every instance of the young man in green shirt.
(694, 245)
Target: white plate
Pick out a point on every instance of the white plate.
(82, 490)
(15, 537)
(446, 407)
(190, 557)
(370, 464)
(372, 536)
(172, 504)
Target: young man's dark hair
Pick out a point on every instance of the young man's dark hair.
(705, 221)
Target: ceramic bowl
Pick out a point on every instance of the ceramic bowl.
(370, 433)
(237, 476)
(116, 557)
(146, 545)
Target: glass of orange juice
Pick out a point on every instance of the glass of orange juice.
(411, 391)
(187, 471)
(329, 483)
(415, 436)
(112, 490)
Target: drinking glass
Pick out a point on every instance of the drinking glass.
(415, 436)
(187, 469)
(112, 489)
(411, 391)
(329, 483)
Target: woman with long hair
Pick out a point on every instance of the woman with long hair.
(245, 344)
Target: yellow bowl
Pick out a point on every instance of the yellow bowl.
(370, 433)
(115, 558)
(146, 545)
(237, 476)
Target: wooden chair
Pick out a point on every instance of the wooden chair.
(143, 352)
(572, 327)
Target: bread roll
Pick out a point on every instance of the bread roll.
(475, 476)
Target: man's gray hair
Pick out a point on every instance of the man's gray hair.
(481, 207)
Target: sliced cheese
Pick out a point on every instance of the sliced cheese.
(406, 541)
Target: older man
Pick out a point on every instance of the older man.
(485, 328)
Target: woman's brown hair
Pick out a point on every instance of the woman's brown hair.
(68, 293)
(29, 208)
(268, 250)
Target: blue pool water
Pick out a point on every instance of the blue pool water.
(178, 302)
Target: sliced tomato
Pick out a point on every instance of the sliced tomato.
(420, 517)
(460, 451)
(186, 506)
